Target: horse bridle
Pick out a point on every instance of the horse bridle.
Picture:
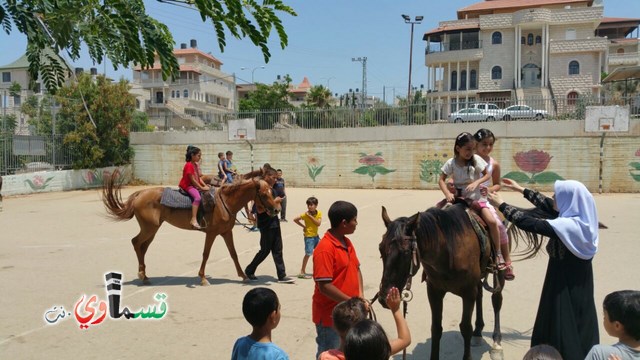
(224, 204)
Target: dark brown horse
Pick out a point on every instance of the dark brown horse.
(446, 244)
(145, 206)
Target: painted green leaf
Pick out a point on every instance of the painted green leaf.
(635, 177)
(382, 170)
(547, 177)
(311, 174)
(378, 154)
(31, 184)
(362, 170)
(319, 169)
(363, 154)
(518, 176)
(635, 165)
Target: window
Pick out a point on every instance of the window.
(173, 94)
(178, 94)
(620, 51)
(496, 73)
(570, 34)
(574, 68)
(6, 77)
(473, 79)
(496, 38)
(186, 93)
(530, 39)
(572, 97)
(463, 80)
(17, 100)
(538, 39)
(454, 80)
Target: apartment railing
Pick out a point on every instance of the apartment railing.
(453, 46)
(26, 153)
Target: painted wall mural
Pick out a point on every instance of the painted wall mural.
(431, 167)
(93, 178)
(372, 165)
(314, 167)
(534, 162)
(635, 167)
(38, 182)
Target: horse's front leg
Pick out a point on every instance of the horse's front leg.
(479, 326)
(208, 242)
(435, 301)
(465, 324)
(228, 240)
(496, 301)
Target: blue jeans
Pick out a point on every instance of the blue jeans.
(327, 338)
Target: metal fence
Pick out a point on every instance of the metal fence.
(26, 153)
(427, 111)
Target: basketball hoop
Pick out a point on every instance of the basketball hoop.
(605, 127)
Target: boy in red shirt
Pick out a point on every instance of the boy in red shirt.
(336, 271)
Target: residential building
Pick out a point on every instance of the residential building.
(514, 51)
(298, 93)
(201, 96)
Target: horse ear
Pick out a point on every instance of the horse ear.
(413, 221)
(385, 217)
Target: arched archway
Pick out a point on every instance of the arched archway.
(530, 75)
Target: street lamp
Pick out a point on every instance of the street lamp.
(252, 71)
(407, 20)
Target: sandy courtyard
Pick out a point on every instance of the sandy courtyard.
(56, 247)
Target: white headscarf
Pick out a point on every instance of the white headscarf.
(577, 224)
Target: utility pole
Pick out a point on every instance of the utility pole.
(363, 60)
(407, 20)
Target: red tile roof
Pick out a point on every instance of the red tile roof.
(488, 5)
(441, 29)
(617, 20)
(191, 51)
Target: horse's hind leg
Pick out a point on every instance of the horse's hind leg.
(479, 326)
(435, 301)
(228, 240)
(141, 244)
(465, 325)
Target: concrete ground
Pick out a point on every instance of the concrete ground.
(56, 247)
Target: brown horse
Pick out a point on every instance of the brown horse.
(446, 244)
(145, 206)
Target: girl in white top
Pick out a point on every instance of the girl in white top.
(469, 171)
(484, 145)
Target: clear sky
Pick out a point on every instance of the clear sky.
(323, 39)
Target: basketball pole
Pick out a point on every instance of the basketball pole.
(251, 147)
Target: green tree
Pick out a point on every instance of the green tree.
(266, 103)
(111, 108)
(40, 114)
(8, 123)
(122, 31)
(140, 122)
(318, 97)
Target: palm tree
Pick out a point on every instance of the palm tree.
(318, 97)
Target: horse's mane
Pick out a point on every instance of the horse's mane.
(533, 241)
(442, 227)
(252, 174)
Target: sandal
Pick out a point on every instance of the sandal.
(500, 263)
(508, 274)
(304, 276)
(196, 226)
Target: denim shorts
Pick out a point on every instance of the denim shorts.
(327, 338)
(310, 244)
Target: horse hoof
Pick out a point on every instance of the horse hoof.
(146, 281)
(141, 276)
(496, 353)
(204, 282)
(476, 341)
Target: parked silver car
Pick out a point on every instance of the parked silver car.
(464, 115)
(523, 112)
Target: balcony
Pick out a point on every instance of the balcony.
(578, 45)
(454, 52)
(631, 59)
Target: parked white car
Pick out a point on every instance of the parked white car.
(465, 115)
(492, 111)
(523, 112)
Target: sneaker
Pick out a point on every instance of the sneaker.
(304, 276)
(283, 220)
(252, 277)
(286, 280)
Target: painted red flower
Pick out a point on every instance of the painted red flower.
(38, 181)
(638, 152)
(371, 160)
(533, 161)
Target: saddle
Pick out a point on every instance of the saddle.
(180, 199)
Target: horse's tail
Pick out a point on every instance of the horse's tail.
(112, 198)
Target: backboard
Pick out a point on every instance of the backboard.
(607, 119)
(242, 129)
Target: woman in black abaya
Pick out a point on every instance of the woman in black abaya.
(566, 317)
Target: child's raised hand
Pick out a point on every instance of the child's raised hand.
(471, 187)
(393, 299)
(512, 184)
